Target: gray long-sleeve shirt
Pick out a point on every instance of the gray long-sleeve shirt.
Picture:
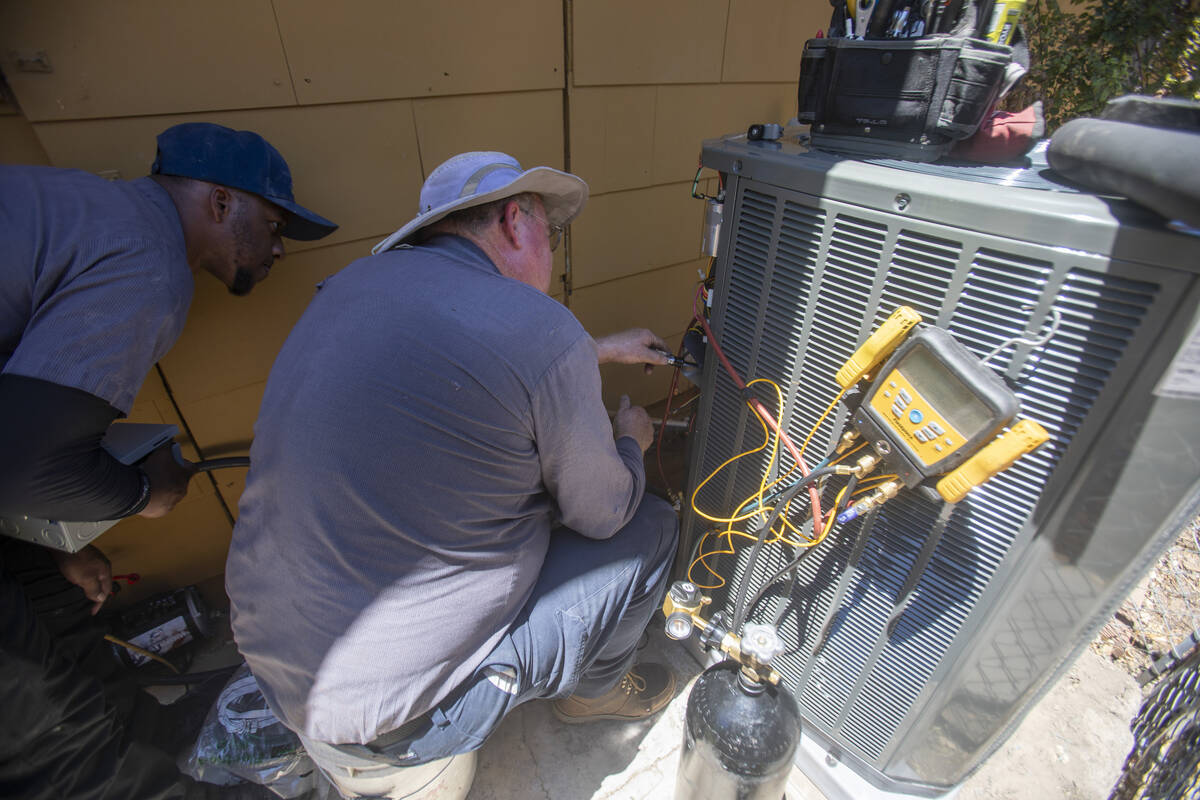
(94, 280)
(425, 424)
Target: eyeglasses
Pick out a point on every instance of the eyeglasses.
(554, 232)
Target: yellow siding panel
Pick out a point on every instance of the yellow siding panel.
(687, 115)
(143, 57)
(377, 49)
(153, 405)
(18, 143)
(623, 233)
(765, 38)
(660, 300)
(612, 136)
(634, 42)
(356, 164)
(224, 426)
(526, 125)
(231, 342)
(186, 546)
(643, 389)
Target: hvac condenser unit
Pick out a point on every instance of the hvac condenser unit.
(915, 646)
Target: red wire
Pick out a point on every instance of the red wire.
(760, 409)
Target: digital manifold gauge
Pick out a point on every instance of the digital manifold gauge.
(933, 408)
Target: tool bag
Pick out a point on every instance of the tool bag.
(899, 98)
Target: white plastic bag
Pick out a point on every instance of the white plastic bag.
(242, 740)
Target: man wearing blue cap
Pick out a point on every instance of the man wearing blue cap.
(96, 281)
(454, 525)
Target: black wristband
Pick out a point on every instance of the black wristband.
(143, 496)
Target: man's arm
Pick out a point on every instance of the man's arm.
(54, 466)
(634, 346)
(595, 473)
(90, 570)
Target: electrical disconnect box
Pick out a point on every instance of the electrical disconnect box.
(128, 442)
(917, 635)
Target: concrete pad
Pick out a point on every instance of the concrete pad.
(1070, 746)
(533, 756)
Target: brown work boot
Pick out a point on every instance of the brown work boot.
(644, 691)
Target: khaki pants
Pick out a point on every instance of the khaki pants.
(364, 777)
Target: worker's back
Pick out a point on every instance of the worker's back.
(395, 516)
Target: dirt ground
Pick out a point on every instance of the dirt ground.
(1163, 610)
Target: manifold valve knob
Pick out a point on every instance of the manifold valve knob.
(679, 626)
(761, 642)
(685, 593)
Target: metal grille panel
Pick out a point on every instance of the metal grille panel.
(810, 280)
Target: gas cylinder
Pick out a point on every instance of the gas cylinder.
(739, 738)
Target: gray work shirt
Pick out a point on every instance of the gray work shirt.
(425, 424)
(94, 284)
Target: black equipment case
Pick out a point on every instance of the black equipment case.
(899, 98)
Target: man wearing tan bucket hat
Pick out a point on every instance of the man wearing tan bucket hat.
(441, 522)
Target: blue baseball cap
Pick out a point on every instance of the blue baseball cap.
(240, 160)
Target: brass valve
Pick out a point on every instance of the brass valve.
(847, 441)
(877, 498)
(754, 651)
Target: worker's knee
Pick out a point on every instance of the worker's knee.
(656, 524)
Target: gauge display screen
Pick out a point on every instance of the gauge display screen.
(945, 392)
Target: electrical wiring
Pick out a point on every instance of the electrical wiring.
(760, 410)
(756, 505)
(696, 183)
(849, 453)
(748, 608)
(771, 497)
(812, 431)
(700, 556)
(767, 440)
(141, 651)
(807, 481)
(876, 482)
(662, 473)
(727, 462)
(702, 559)
(821, 419)
(1050, 330)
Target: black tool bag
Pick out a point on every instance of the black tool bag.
(899, 98)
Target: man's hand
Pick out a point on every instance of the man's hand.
(88, 569)
(633, 421)
(168, 481)
(634, 346)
